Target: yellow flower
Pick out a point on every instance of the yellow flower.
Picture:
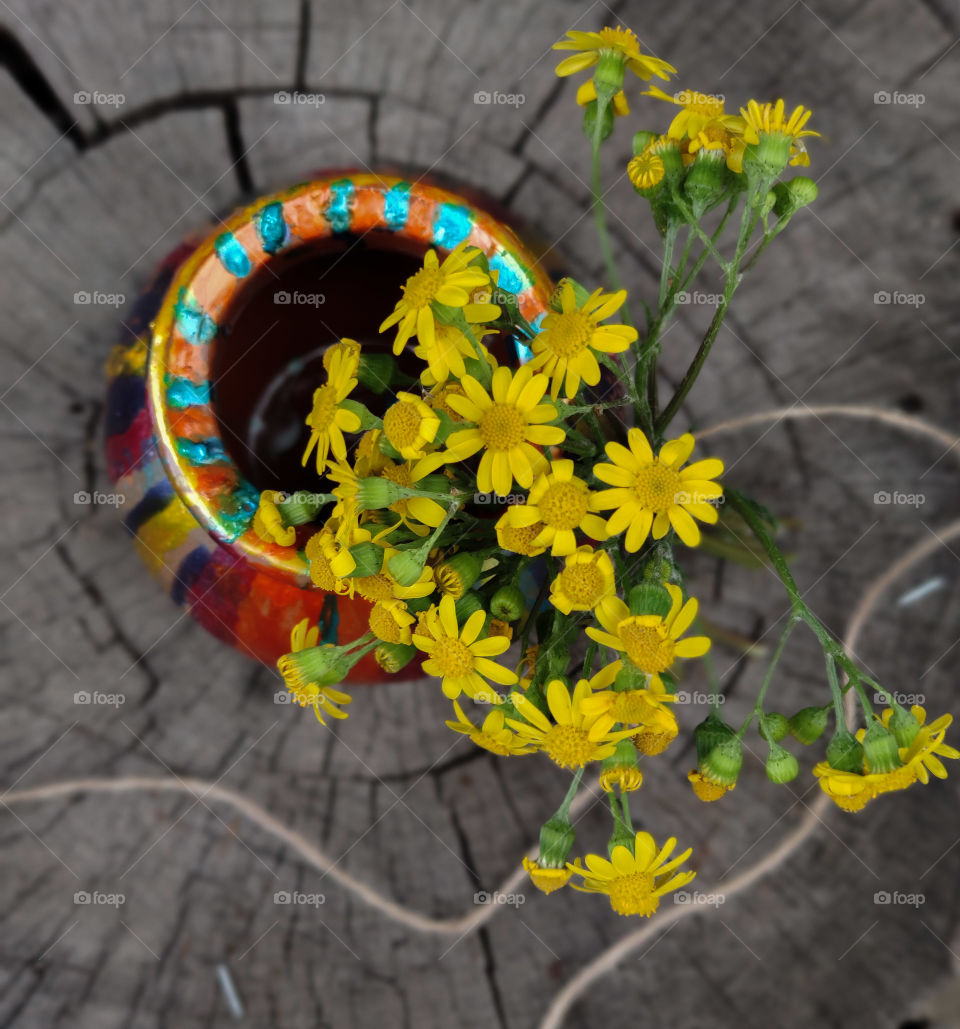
(655, 737)
(547, 879)
(922, 755)
(390, 621)
(347, 350)
(587, 93)
(383, 586)
(561, 503)
(646, 169)
(368, 457)
(437, 399)
(327, 420)
(626, 778)
(652, 492)
(519, 541)
(850, 791)
(700, 111)
(770, 120)
(635, 881)
(651, 642)
(449, 283)
(631, 707)
(414, 510)
(330, 560)
(498, 627)
(619, 42)
(572, 739)
(508, 421)
(305, 690)
(445, 356)
(457, 656)
(410, 425)
(706, 790)
(493, 735)
(268, 523)
(585, 581)
(563, 348)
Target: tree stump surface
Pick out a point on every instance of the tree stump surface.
(93, 195)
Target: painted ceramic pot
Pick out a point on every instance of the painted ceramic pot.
(207, 395)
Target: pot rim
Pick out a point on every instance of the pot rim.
(185, 331)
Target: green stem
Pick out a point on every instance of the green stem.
(600, 216)
(793, 621)
(563, 812)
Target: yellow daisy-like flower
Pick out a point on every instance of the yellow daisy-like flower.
(700, 111)
(705, 789)
(328, 421)
(493, 735)
(508, 421)
(390, 621)
(631, 707)
(410, 425)
(268, 522)
(587, 93)
(561, 503)
(635, 881)
(586, 580)
(646, 169)
(654, 737)
(383, 586)
(563, 348)
(772, 120)
(924, 753)
(618, 42)
(653, 493)
(572, 739)
(547, 879)
(347, 351)
(303, 690)
(437, 399)
(330, 559)
(368, 457)
(850, 791)
(445, 356)
(519, 540)
(652, 643)
(457, 656)
(449, 283)
(415, 512)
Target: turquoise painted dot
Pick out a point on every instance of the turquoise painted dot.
(204, 451)
(272, 230)
(339, 210)
(396, 205)
(451, 225)
(232, 255)
(513, 277)
(195, 325)
(237, 511)
(184, 393)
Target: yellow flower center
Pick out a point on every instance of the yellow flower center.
(422, 287)
(618, 39)
(384, 626)
(401, 424)
(656, 487)
(648, 646)
(705, 790)
(502, 427)
(564, 504)
(630, 706)
(449, 581)
(568, 746)
(653, 741)
(398, 474)
(582, 584)
(569, 333)
(520, 540)
(324, 408)
(453, 657)
(438, 399)
(645, 170)
(633, 894)
(374, 587)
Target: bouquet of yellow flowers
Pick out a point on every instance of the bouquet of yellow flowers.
(595, 496)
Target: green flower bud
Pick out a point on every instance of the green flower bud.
(508, 603)
(803, 191)
(649, 598)
(557, 838)
(608, 74)
(782, 766)
(457, 574)
(374, 493)
(299, 508)
(621, 837)
(705, 180)
(590, 120)
(709, 733)
(641, 140)
(391, 657)
(621, 769)
(769, 201)
(880, 748)
(774, 726)
(376, 371)
(407, 566)
(807, 725)
(844, 752)
(904, 726)
(368, 558)
(722, 764)
(324, 665)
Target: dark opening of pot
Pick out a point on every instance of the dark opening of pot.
(269, 356)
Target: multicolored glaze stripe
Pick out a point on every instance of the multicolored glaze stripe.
(189, 508)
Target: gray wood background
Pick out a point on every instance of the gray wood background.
(92, 195)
